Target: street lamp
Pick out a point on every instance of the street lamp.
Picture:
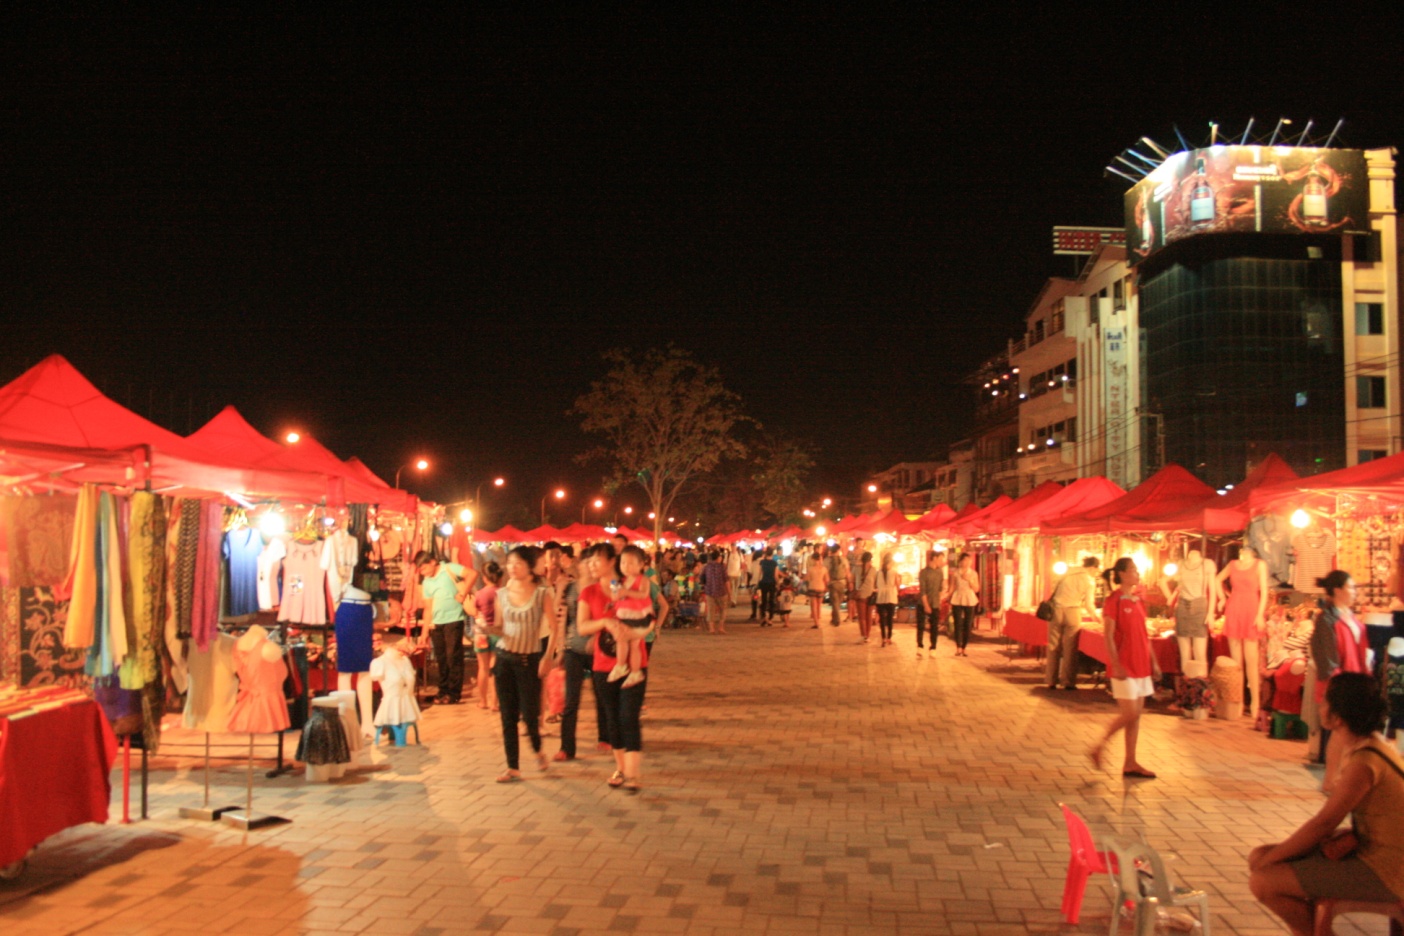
(477, 495)
(560, 495)
(420, 465)
(597, 505)
(293, 438)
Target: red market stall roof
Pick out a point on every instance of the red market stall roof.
(848, 523)
(790, 532)
(1376, 486)
(1167, 494)
(882, 522)
(1078, 497)
(991, 519)
(1229, 513)
(52, 404)
(578, 532)
(969, 525)
(934, 519)
(543, 533)
(508, 534)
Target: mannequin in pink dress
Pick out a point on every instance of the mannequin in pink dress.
(260, 707)
(1245, 610)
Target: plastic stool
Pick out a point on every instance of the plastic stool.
(1285, 725)
(1327, 911)
(399, 734)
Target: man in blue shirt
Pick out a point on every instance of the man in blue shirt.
(768, 566)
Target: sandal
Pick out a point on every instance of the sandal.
(510, 776)
(632, 785)
(616, 779)
(1139, 773)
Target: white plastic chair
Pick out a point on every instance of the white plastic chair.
(1129, 885)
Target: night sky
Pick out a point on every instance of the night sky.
(415, 237)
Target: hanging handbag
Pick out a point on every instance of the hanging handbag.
(1045, 611)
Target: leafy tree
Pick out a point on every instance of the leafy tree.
(665, 419)
(782, 468)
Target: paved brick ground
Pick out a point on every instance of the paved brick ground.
(797, 782)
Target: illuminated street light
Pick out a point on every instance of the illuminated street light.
(419, 464)
(828, 502)
(498, 482)
(872, 489)
(628, 510)
(465, 515)
(560, 495)
(293, 438)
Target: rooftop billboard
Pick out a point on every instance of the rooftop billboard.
(1238, 189)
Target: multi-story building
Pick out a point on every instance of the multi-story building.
(995, 433)
(906, 486)
(1269, 306)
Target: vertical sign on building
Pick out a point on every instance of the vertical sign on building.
(1117, 388)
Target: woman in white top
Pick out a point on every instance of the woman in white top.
(963, 592)
(528, 646)
(861, 597)
(888, 583)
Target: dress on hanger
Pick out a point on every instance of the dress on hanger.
(395, 673)
(243, 547)
(270, 568)
(260, 707)
(1241, 611)
(304, 585)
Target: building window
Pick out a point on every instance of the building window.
(1364, 455)
(1369, 318)
(1118, 295)
(1370, 392)
(1094, 312)
(1038, 332)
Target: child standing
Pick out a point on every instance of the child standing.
(633, 607)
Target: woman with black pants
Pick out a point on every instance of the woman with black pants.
(579, 658)
(963, 592)
(526, 615)
(887, 587)
(621, 706)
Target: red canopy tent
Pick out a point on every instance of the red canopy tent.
(52, 407)
(969, 525)
(1376, 487)
(508, 534)
(1078, 497)
(1152, 505)
(883, 522)
(1229, 513)
(934, 519)
(848, 523)
(991, 519)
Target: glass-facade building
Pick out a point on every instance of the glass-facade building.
(1243, 356)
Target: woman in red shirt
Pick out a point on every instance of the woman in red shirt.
(1132, 666)
(620, 705)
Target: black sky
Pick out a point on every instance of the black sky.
(417, 235)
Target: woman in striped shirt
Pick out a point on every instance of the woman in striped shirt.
(527, 647)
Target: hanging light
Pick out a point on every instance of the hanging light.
(446, 528)
(1060, 568)
(1301, 519)
(1171, 569)
(374, 534)
(273, 524)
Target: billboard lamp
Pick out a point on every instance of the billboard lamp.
(1156, 147)
(1154, 164)
(1247, 130)
(1184, 144)
(1340, 123)
(1302, 138)
(1129, 178)
(1277, 129)
(1213, 133)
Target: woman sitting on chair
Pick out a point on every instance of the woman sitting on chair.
(1315, 863)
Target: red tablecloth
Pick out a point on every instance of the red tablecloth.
(1166, 649)
(1027, 629)
(54, 773)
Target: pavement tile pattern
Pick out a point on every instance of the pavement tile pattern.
(796, 782)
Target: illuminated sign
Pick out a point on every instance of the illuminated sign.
(1245, 189)
(1068, 239)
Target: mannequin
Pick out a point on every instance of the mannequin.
(260, 707)
(1245, 610)
(1195, 593)
(355, 624)
(395, 673)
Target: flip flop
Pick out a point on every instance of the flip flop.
(1139, 774)
(510, 776)
(616, 779)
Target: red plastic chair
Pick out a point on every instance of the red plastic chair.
(1084, 862)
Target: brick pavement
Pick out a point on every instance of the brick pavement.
(796, 782)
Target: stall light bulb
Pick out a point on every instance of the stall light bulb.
(273, 524)
(1052, 442)
(374, 534)
(328, 521)
(1171, 569)
(1060, 568)
(446, 529)
(465, 515)
(820, 531)
(1301, 519)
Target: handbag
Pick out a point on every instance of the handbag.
(1045, 611)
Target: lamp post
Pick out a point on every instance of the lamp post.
(420, 465)
(560, 495)
(478, 496)
(598, 504)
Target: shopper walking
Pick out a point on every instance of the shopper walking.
(526, 616)
(1132, 666)
(889, 584)
(716, 586)
(768, 586)
(864, 586)
(445, 588)
(816, 584)
(484, 641)
(963, 592)
(838, 583)
(1074, 594)
(733, 572)
(621, 705)
(578, 660)
(1339, 644)
(931, 582)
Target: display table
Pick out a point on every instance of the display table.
(1025, 628)
(1092, 642)
(55, 769)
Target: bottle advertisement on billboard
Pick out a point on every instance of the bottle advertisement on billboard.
(1246, 189)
